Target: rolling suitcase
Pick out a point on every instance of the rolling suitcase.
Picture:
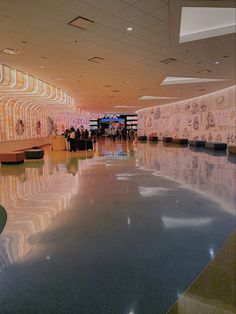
(89, 144)
(81, 145)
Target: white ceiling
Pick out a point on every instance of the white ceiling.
(132, 59)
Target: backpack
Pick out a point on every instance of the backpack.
(72, 135)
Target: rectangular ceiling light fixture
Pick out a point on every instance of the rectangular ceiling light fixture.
(81, 22)
(10, 51)
(173, 80)
(96, 59)
(205, 22)
(168, 61)
(154, 97)
(124, 106)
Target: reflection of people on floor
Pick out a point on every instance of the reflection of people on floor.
(131, 147)
(131, 134)
(113, 133)
(72, 166)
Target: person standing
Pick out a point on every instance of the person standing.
(82, 135)
(72, 140)
(86, 134)
(67, 139)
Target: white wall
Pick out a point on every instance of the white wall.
(211, 117)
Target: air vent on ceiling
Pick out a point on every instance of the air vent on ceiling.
(81, 22)
(96, 59)
(107, 85)
(10, 51)
(204, 71)
(169, 60)
(115, 90)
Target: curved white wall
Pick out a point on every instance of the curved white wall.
(210, 117)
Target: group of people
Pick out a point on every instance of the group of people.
(72, 136)
(125, 134)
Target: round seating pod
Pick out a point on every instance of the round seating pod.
(34, 153)
(3, 218)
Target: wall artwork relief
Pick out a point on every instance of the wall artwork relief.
(211, 117)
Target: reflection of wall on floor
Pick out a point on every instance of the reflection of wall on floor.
(211, 117)
(31, 197)
(200, 171)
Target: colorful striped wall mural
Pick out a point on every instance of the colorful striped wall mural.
(31, 108)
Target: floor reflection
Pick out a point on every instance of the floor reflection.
(125, 228)
(32, 193)
(210, 173)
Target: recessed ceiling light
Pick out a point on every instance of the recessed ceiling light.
(154, 97)
(42, 66)
(129, 28)
(127, 82)
(57, 78)
(10, 51)
(217, 62)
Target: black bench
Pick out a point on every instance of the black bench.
(142, 138)
(167, 139)
(216, 146)
(153, 138)
(196, 143)
(181, 141)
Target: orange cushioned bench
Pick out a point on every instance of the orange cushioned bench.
(12, 157)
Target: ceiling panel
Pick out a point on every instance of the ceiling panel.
(40, 29)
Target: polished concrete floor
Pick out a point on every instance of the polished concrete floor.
(125, 229)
